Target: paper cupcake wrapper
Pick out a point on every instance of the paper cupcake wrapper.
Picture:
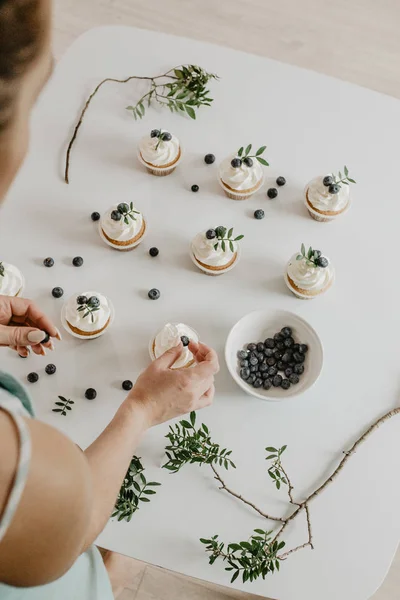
(210, 271)
(321, 217)
(240, 195)
(305, 296)
(160, 171)
(86, 337)
(124, 248)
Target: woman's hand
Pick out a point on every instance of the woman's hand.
(164, 393)
(22, 324)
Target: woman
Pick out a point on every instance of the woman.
(54, 498)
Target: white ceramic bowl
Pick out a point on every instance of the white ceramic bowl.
(261, 324)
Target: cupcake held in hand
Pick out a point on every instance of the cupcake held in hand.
(328, 197)
(11, 280)
(309, 274)
(215, 251)
(169, 337)
(122, 227)
(159, 152)
(241, 175)
(87, 315)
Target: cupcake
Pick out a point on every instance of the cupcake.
(309, 274)
(168, 337)
(122, 227)
(159, 152)
(328, 197)
(11, 280)
(215, 251)
(87, 315)
(241, 174)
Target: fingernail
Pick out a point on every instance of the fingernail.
(35, 337)
(51, 345)
(58, 334)
(42, 351)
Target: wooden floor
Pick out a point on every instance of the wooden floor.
(355, 40)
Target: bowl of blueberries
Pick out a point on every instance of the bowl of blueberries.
(273, 355)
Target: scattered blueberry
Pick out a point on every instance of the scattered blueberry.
(154, 294)
(236, 163)
(95, 216)
(334, 188)
(116, 215)
(277, 380)
(195, 188)
(328, 180)
(272, 193)
(123, 208)
(211, 234)
(293, 378)
(90, 394)
(209, 159)
(285, 384)
(154, 133)
(127, 385)
(48, 262)
(280, 181)
(267, 384)
(94, 301)
(259, 214)
(57, 292)
(242, 354)
(32, 377)
(50, 369)
(77, 261)
(81, 300)
(248, 161)
(322, 262)
(154, 252)
(185, 340)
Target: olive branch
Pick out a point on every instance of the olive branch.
(221, 232)
(312, 257)
(91, 306)
(244, 154)
(134, 490)
(64, 404)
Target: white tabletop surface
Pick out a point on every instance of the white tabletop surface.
(311, 124)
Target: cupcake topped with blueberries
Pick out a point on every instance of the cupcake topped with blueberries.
(87, 315)
(215, 251)
(159, 152)
(169, 337)
(328, 196)
(241, 174)
(11, 280)
(122, 226)
(308, 273)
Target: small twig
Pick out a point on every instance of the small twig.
(306, 544)
(290, 487)
(239, 497)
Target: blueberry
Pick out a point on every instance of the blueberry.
(245, 373)
(286, 358)
(259, 214)
(293, 378)
(260, 356)
(280, 345)
(77, 261)
(32, 377)
(48, 262)
(195, 188)
(220, 231)
(277, 380)
(211, 234)
(278, 337)
(322, 262)
(285, 384)
(272, 371)
(278, 354)
(288, 371)
(116, 215)
(57, 292)
(271, 361)
(127, 385)
(95, 216)
(328, 180)
(185, 340)
(154, 294)
(254, 369)
(251, 379)
(286, 332)
(253, 360)
(288, 342)
(251, 347)
(260, 347)
(242, 354)
(269, 343)
(154, 251)
(154, 133)
(166, 136)
(248, 161)
(81, 300)
(317, 253)
(296, 347)
(303, 349)
(46, 338)
(298, 369)
(236, 162)
(272, 193)
(90, 394)
(258, 383)
(244, 363)
(268, 352)
(94, 301)
(298, 358)
(334, 188)
(281, 365)
(263, 368)
(280, 181)
(209, 159)
(123, 208)
(267, 384)
(50, 369)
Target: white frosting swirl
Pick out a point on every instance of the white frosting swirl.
(170, 336)
(320, 198)
(307, 277)
(203, 249)
(165, 153)
(12, 281)
(77, 318)
(240, 178)
(119, 230)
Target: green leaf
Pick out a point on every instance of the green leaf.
(351, 180)
(282, 450)
(271, 449)
(230, 232)
(260, 150)
(271, 456)
(234, 547)
(281, 545)
(57, 409)
(142, 109)
(205, 428)
(59, 403)
(278, 485)
(346, 171)
(245, 576)
(68, 407)
(310, 253)
(248, 149)
(136, 486)
(193, 417)
(216, 246)
(303, 249)
(130, 108)
(299, 257)
(204, 541)
(190, 112)
(345, 182)
(277, 564)
(149, 492)
(245, 545)
(186, 424)
(223, 246)
(153, 483)
(238, 238)
(62, 398)
(270, 473)
(240, 152)
(260, 531)
(235, 576)
(178, 74)
(231, 246)
(262, 161)
(144, 499)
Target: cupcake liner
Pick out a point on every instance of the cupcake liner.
(240, 195)
(320, 216)
(160, 171)
(124, 248)
(210, 272)
(301, 296)
(87, 337)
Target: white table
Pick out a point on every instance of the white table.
(311, 124)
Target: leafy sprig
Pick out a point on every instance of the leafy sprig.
(1, 269)
(244, 154)
(312, 257)
(276, 471)
(127, 212)
(65, 406)
(339, 178)
(188, 445)
(182, 90)
(254, 558)
(225, 238)
(134, 489)
(91, 306)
